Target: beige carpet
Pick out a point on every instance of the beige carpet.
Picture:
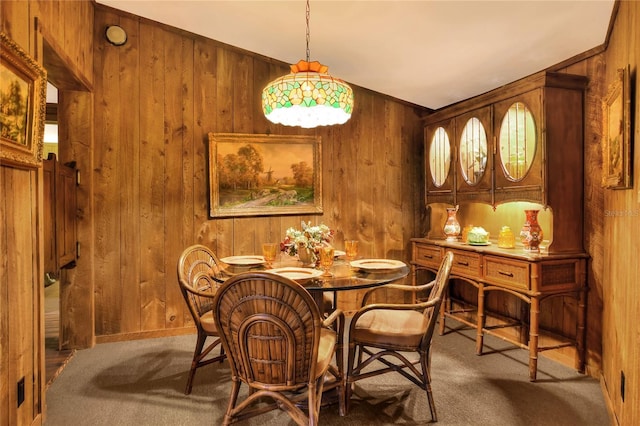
(142, 383)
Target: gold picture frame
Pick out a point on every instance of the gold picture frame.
(616, 147)
(264, 175)
(23, 93)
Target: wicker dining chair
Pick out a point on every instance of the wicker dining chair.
(198, 268)
(279, 346)
(382, 332)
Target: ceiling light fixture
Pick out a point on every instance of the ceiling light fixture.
(116, 35)
(307, 97)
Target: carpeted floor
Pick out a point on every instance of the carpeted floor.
(142, 383)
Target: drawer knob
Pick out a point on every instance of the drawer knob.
(506, 274)
(463, 263)
(428, 256)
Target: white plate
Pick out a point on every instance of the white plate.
(488, 243)
(243, 260)
(297, 273)
(377, 264)
(338, 253)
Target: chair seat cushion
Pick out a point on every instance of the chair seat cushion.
(390, 328)
(326, 350)
(208, 324)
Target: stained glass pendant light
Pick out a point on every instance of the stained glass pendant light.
(307, 97)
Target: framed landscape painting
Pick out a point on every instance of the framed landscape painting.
(23, 86)
(263, 175)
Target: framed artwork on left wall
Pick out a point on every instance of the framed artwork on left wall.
(23, 91)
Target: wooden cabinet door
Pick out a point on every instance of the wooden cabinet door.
(518, 159)
(474, 152)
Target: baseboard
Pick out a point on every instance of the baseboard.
(607, 400)
(145, 335)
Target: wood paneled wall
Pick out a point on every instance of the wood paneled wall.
(156, 99)
(22, 213)
(620, 217)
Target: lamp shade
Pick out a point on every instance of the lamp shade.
(307, 97)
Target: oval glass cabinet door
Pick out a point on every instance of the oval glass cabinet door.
(517, 141)
(473, 151)
(439, 156)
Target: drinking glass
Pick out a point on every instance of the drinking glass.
(269, 252)
(351, 249)
(326, 260)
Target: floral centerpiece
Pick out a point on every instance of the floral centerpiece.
(305, 241)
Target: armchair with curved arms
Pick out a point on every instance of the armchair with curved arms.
(279, 346)
(199, 277)
(381, 332)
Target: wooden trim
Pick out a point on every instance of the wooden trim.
(608, 402)
(612, 21)
(526, 84)
(62, 71)
(145, 335)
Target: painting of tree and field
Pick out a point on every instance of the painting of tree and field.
(265, 178)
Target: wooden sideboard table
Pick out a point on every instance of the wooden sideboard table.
(530, 277)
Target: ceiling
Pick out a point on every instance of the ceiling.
(430, 53)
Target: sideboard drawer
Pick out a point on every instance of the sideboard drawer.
(466, 264)
(508, 273)
(430, 256)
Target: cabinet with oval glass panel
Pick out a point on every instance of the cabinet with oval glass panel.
(475, 156)
(519, 147)
(534, 136)
(440, 162)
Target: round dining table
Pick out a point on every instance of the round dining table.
(342, 276)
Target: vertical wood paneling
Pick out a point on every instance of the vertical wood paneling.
(20, 194)
(153, 276)
(395, 194)
(204, 69)
(621, 210)
(13, 22)
(174, 191)
(108, 289)
(128, 158)
(188, 169)
(382, 181)
(366, 178)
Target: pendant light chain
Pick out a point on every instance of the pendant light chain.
(308, 33)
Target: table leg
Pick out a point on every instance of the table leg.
(533, 338)
(480, 320)
(581, 331)
(318, 297)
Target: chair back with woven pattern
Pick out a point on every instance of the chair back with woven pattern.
(199, 276)
(270, 326)
(197, 268)
(431, 313)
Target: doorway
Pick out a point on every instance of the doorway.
(55, 357)
(70, 289)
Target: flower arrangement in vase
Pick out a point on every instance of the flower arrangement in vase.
(306, 241)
